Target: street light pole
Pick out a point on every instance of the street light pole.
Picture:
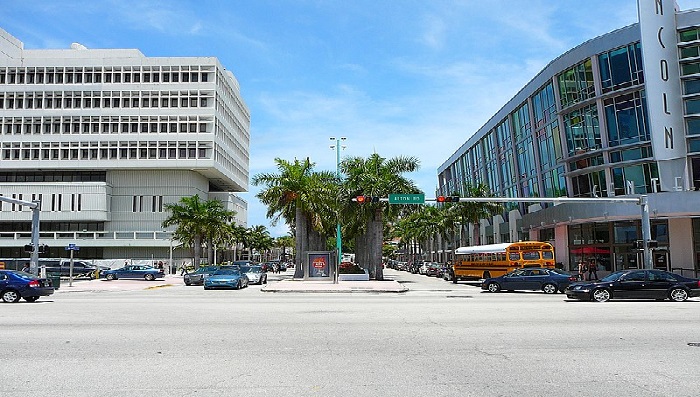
(338, 237)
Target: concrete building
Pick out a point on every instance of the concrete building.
(618, 115)
(106, 137)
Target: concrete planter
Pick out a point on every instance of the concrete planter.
(353, 277)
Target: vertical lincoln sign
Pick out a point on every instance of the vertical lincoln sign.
(657, 22)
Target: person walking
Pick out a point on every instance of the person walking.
(581, 271)
(592, 270)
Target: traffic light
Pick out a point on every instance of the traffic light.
(43, 248)
(367, 199)
(447, 199)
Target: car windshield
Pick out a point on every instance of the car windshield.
(252, 269)
(206, 269)
(612, 276)
(226, 272)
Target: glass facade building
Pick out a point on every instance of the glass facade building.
(591, 124)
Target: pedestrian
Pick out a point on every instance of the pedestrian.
(581, 271)
(160, 266)
(593, 270)
(26, 268)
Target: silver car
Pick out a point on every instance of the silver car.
(197, 277)
(255, 274)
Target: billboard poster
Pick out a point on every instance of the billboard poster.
(320, 264)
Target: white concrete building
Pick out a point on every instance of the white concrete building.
(106, 137)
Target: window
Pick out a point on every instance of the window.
(621, 68)
(626, 117)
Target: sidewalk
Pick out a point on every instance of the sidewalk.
(102, 285)
(305, 286)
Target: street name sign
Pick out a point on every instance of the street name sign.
(407, 198)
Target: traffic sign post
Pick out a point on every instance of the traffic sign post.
(72, 248)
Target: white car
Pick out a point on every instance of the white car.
(255, 274)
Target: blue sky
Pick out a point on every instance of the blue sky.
(409, 77)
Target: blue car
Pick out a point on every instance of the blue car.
(15, 285)
(147, 273)
(226, 278)
(530, 279)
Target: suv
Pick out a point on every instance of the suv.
(62, 268)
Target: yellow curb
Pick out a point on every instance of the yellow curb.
(159, 286)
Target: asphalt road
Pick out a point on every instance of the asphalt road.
(438, 339)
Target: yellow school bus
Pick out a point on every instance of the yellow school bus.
(493, 260)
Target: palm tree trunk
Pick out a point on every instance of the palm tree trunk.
(301, 242)
(376, 238)
(197, 251)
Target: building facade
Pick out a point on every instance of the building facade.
(106, 138)
(618, 115)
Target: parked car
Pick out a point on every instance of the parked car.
(636, 284)
(255, 274)
(80, 268)
(531, 279)
(197, 277)
(226, 278)
(442, 269)
(15, 285)
(147, 273)
(431, 269)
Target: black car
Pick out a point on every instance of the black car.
(534, 279)
(636, 284)
(15, 285)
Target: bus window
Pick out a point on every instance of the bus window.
(547, 255)
(514, 256)
(531, 255)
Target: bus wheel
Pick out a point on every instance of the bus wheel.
(494, 287)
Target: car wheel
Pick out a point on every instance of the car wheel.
(149, 277)
(600, 295)
(238, 284)
(31, 298)
(11, 296)
(188, 282)
(110, 277)
(678, 295)
(493, 287)
(549, 288)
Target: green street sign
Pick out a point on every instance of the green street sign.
(407, 198)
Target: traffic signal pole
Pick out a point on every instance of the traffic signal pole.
(35, 206)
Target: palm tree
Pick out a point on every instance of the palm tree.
(374, 176)
(259, 239)
(305, 199)
(283, 242)
(197, 221)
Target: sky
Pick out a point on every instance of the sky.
(397, 78)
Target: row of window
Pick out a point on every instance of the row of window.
(180, 150)
(53, 176)
(58, 202)
(147, 204)
(20, 102)
(90, 76)
(67, 127)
